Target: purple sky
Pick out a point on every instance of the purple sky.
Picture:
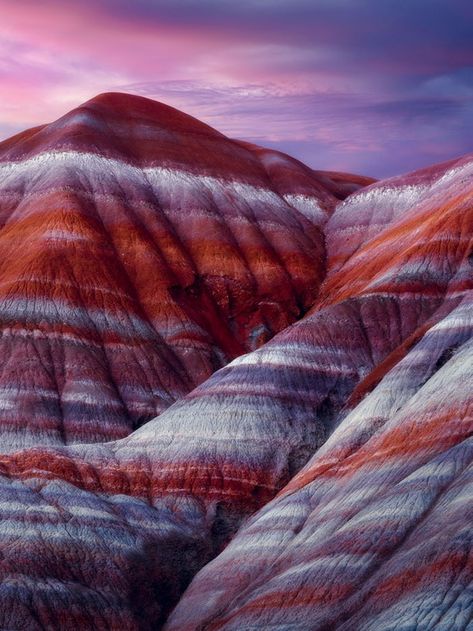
(372, 86)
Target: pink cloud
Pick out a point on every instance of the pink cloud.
(340, 81)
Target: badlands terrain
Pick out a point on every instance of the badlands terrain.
(236, 393)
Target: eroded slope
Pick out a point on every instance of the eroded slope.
(141, 250)
(128, 523)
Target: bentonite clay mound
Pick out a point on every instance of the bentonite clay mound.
(339, 448)
(141, 250)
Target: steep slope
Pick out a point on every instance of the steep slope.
(128, 523)
(140, 250)
(375, 532)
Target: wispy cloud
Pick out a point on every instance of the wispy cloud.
(370, 86)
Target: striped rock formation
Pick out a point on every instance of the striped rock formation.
(356, 417)
(140, 250)
(374, 533)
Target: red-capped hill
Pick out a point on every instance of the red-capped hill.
(140, 250)
(149, 133)
(122, 125)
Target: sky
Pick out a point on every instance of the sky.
(378, 87)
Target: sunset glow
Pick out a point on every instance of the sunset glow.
(315, 79)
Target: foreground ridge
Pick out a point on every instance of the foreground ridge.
(339, 447)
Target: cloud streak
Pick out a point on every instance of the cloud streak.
(375, 87)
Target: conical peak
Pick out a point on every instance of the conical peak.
(134, 108)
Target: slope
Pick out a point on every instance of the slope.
(140, 250)
(128, 523)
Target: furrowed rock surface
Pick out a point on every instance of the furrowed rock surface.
(108, 536)
(374, 533)
(141, 250)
